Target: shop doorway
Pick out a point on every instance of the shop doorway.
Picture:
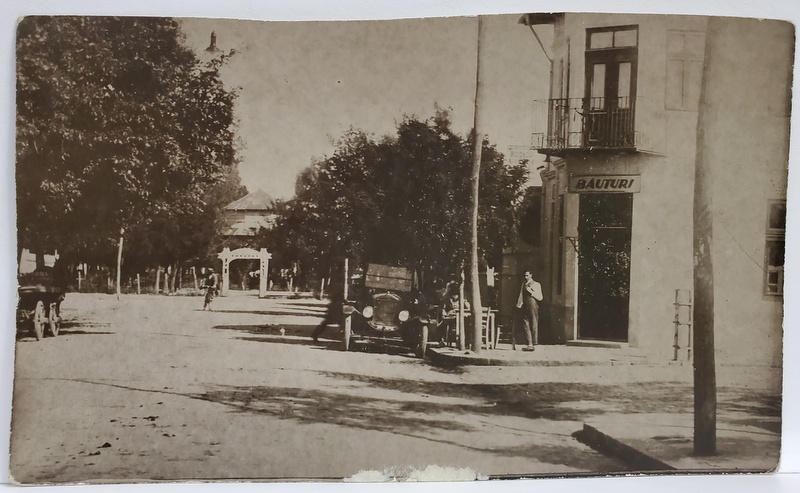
(604, 239)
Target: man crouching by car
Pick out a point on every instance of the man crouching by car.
(334, 314)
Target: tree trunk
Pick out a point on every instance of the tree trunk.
(474, 284)
(119, 262)
(158, 280)
(173, 276)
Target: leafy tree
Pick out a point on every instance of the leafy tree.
(402, 200)
(119, 125)
(529, 214)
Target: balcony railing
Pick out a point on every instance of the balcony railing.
(584, 124)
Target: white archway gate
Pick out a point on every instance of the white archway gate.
(227, 256)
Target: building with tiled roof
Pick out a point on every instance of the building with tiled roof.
(249, 214)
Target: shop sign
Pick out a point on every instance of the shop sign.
(604, 183)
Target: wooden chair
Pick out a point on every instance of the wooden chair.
(490, 331)
(450, 328)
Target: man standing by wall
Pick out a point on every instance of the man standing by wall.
(530, 294)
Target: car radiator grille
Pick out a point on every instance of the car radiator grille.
(386, 311)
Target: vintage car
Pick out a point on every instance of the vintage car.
(387, 310)
(40, 296)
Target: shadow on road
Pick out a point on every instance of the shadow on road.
(274, 330)
(297, 335)
(320, 305)
(304, 313)
(300, 335)
(422, 420)
(69, 332)
(69, 325)
(426, 421)
(322, 344)
(560, 401)
(551, 401)
(25, 334)
(433, 411)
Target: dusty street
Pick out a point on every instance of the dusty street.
(154, 388)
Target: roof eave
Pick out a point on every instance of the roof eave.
(536, 19)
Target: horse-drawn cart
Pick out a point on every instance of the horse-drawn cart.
(40, 300)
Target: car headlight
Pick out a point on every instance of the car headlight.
(367, 311)
(403, 315)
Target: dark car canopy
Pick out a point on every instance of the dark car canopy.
(388, 277)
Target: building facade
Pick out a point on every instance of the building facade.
(633, 99)
(247, 215)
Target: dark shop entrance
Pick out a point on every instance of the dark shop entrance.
(604, 242)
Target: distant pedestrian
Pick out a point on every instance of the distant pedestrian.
(210, 286)
(530, 294)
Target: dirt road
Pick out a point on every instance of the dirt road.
(153, 388)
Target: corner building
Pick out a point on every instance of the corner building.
(629, 96)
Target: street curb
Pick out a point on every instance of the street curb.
(607, 445)
(447, 359)
(451, 360)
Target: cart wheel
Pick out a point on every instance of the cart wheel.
(423, 342)
(348, 332)
(54, 319)
(39, 320)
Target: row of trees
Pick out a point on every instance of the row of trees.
(120, 125)
(399, 200)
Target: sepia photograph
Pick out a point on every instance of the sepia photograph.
(532, 244)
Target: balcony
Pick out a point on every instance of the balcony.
(585, 124)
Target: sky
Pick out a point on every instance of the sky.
(302, 85)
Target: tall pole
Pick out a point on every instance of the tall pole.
(705, 384)
(119, 260)
(477, 145)
(462, 342)
(346, 278)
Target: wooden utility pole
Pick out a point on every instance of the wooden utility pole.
(119, 261)
(345, 293)
(477, 145)
(705, 383)
(462, 344)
